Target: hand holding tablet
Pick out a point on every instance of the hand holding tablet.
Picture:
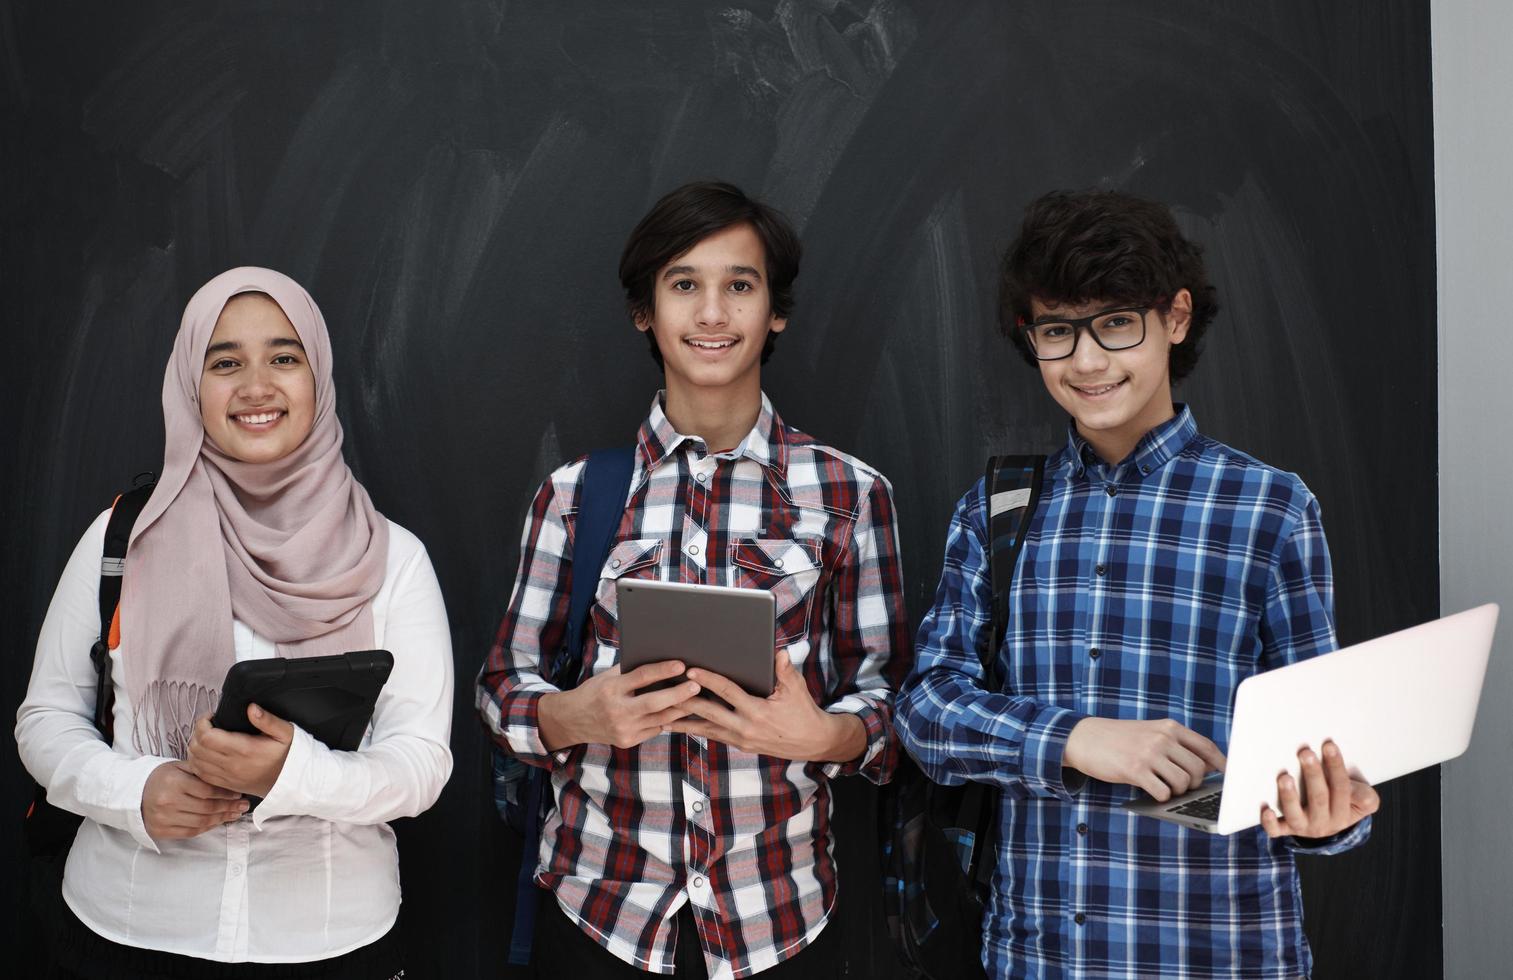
(756, 700)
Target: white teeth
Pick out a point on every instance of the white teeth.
(259, 418)
(1101, 390)
(711, 344)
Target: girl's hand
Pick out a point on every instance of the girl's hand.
(247, 764)
(176, 804)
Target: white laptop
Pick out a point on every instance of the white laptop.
(1393, 705)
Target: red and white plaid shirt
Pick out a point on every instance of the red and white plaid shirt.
(745, 838)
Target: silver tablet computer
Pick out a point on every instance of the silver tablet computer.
(728, 631)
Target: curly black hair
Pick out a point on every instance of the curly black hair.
(686, 216)
(1077, 246)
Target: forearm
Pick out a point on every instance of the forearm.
(90, 778)
(400, 777)
(557, 721)
(958, 733)
(847, 738)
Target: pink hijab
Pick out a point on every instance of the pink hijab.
(292, 548)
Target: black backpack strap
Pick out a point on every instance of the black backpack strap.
(1012, 487)
(123, 515)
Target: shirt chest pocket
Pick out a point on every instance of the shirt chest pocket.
(637, 558)
(790, 569)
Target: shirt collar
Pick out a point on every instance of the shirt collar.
(1152, 451)
(764, 444)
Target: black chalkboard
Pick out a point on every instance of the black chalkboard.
(453, 182)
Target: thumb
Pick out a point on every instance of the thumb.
(785, 669)
(269, 724)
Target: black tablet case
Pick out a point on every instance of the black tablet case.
(332, 698)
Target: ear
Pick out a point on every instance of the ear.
(777, 324)
(1179, 317)
(642, 320)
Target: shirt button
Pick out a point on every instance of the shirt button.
(778, 563)
(1112, 490)
(1095, 653)
(236, 869)
(1082, 829)
(693, 549)
(698, 806)
(1145, 469)
(697, 882)
(701, 477)
(614, 563)
(1100, 569)
(1079, 918)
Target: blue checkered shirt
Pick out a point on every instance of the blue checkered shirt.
(1145, 590)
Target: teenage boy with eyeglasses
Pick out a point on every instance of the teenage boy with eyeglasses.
(688, 838)
(1160, 569)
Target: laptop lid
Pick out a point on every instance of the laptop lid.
(1393, 705)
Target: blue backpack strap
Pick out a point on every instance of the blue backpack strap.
(601, 504)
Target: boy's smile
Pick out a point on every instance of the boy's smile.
(1117, 396)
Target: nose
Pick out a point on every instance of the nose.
(712, 309)
(1088, 357)
(256, 383)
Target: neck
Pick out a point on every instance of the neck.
(720, 416)
(1113, 446)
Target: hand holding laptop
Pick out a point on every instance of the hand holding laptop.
(1166, 759)
(1335, 801)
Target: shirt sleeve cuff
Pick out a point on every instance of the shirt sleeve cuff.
(291, 792)
(1346, 839)
(128, 789)
(518, 727)
(1045, 773)
(873, 762)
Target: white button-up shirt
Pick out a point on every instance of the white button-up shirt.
(313, 871)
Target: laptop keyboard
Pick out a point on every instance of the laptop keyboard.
(1203, 808)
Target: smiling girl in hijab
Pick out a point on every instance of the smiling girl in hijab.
(257, 542)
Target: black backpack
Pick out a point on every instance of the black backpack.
(48, 830)
(522, 793)
(937, 841)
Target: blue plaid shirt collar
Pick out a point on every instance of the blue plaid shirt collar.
(764, 444)
(1153, 451)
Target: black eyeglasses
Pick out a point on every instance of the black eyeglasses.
(1116, 329)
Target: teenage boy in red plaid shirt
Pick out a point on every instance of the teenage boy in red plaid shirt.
(691, 839)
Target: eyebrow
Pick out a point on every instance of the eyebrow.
(735, 270)
(232, 345)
